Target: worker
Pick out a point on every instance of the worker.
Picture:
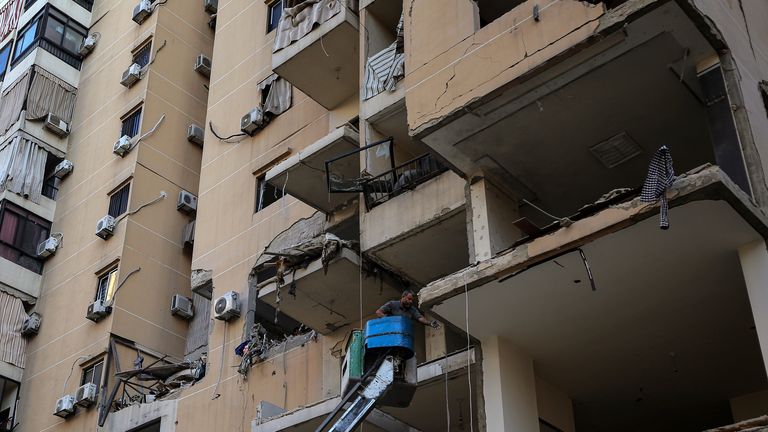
(404, 307)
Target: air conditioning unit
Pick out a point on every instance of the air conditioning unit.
(47, 247)
(56, 125)
(87, 45)
(195, 134)
(63, 168)
(203, 66)
(122, 146)
(227, 306)
(253, 121)
(86, 395)
(105, 227)
(98, 310)
(187, 202)
(65, 406)
(188, 237)
(142, 11)
(211, 6)
(131, 75)
(32, 324)
(181, 306)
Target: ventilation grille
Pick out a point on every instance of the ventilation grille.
(616, 150)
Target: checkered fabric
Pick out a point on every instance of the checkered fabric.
(660, 177)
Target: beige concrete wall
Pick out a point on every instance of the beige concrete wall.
(449, 62)
(754, 264)
(554, 406)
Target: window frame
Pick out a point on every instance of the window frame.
(24, 217)
(262, 191)
(119, 200)
(91, 368)
(135, 116)
(40, 24)
(142, 51)
(9, 48)
(107, 293)
(270, 8)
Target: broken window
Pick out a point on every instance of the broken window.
(266, 194)
(92, 374)
(276, 96)
(107, 285)
(118, 201)
(131, 124)
(20, 233)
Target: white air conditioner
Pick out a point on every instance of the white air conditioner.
(142, 11)
(105, 227)
(87, 45)
(65, 406)
(47, 247)
(227, 306)
(181, 306)
(253, 121)
(56, 125)
(188, 237)
(86, 395)
(131, 75)
(211, 6)
(122, 146)
(98, 310)
(187, 202)
(195, 134)
(63, 168)
(203, 66)
(32, 324)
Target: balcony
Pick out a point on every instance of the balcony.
(303, 174)
(383, 187)
(320, 54)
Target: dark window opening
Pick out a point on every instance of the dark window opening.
(9, 397)
(106, 287)
(764, 94)
(29, 3)
(490, 10)
(273, 15)
(266, 194)
(20, 233)
(118, 201)
(153, 426)
(85, 4)
(143, 54)
(92, 374)
(55, 32)
(51, 182)
(131, 124)
(5, 55)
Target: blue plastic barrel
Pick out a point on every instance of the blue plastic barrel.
(390, 333)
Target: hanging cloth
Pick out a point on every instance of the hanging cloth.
(660, 178)
(384, 69)
(22, 168)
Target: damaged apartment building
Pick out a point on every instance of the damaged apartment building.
(203, 203)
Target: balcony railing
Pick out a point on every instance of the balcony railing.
(402, 178)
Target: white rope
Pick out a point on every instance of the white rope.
(447, 405)
(469, 364)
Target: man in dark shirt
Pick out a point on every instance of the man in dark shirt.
(404, 307)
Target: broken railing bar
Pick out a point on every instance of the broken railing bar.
(328, 163)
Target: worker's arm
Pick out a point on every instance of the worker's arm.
(380, 313)
(426, 322)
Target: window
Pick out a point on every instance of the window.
(266, 194)
(107, 285)
(56, 33)
(5, 55)
(143, 54)
(92, 374)
(764, 93)
(131, 124)
(29, 3)
(118, 201)
(64, 32)
(26, 38)
(20, 233)
(273, 15)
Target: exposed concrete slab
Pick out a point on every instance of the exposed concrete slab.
(137, 415)
(707, 183)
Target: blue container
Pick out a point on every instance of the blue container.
(390, 333)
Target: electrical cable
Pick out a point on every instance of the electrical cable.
(563, 221)
(120, 285)
(224, 139)
(133, 212)
(216, 393)
(469, 364)
(71, 369)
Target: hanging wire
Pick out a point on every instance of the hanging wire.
(469, 365)
(216, 393)
(213, 131)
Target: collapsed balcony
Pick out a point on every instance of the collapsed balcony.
(317, 49)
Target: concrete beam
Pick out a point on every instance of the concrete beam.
(704, 183)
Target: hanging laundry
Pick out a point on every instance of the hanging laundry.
(660, 178)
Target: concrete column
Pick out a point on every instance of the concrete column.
(754, 265)
(509, 387)
(434, 341)
(491, 214)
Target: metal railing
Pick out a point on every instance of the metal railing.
(402, 178)
(68, 58)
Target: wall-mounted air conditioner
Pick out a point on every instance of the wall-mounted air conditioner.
(187, 202)
(88, 45)
(122, 146)
(131, 75)
(47, 247)
(203, 65)
(253, 121)
(227, 306)
(142, 11)
(106, 227)
(195, 134)
(211, 6)
(63, 168)
(56, 125)
(98, 310)
(32, 324)
(181, 306)
(86, 395)
(65, 406)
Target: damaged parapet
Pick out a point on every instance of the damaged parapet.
(202, 282)
(259, 346)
